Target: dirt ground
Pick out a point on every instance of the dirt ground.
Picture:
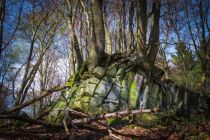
(95, 131)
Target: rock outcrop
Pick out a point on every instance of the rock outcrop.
(123, 85)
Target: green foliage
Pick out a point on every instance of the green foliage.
(183, 56)
(188, 68)
(117, 121)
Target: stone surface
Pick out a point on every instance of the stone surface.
(108, 80)
(91, 89)
(86, 76)
(85, 99)
(96, 101)
(120, 73)
(93, 80)
(119, 89)
(133, 95)
(114, 93)
(152, 100)
(119, 84)
(99, 72)
(111, 70)
(112, 107)
(103, 89)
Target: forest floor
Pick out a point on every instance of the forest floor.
(147, 127)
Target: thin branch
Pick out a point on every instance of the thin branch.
(44, 94)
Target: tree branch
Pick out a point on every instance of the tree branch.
(112, 115)
(44, 94)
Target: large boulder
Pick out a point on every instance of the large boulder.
(121, 87)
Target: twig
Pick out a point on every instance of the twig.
(77, 113)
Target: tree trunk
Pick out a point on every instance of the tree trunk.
(154, 34)
(120, 37)
(141, 27)
(124, 26)
(87, 31)
(98, 34)
(107, 33)
(108, 41)
(71, 61)
(131, 14)
(73, 38)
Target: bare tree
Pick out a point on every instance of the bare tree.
(43, 32)
(72, 34)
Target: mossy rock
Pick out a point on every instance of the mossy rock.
(95, 110)
(86, 75)
(120, 73)
(90, 89)
(85, 107)
(99, 72)
(96, 101)
(133, 95)
(112, 70)
(103, 88)
(73, 79)
(114, 93)
(70, 93)
(154, 96)
(85, 99)
(124, 94)
(77, 105)
(107, 79)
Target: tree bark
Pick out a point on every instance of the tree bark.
(141, 27)
(73, 37)
(87, 31)
(131, 14)
(124, 26)
(98, 35)
(108, 41)
(154, 34)
(71, 61)
(107, 33)
(111, 115)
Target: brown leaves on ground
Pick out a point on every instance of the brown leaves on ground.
(94, 130)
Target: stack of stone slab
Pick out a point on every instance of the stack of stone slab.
(118, 87)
